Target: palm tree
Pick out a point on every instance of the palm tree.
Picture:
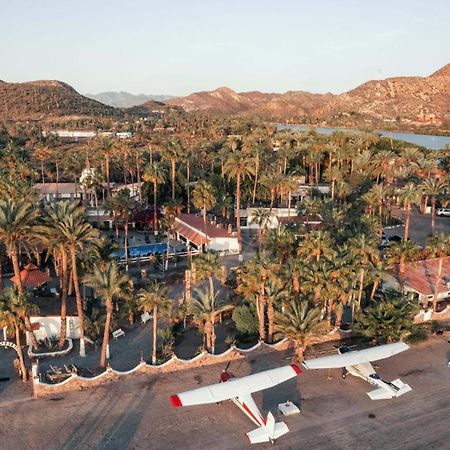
(365, 253)
(172, 151)
(204, 198)
(106, 147)
(78, 234)
(298, 323)
(438, 246)
(402, 253)
(390, 320)
(280, 243)
(109, 284)
(126, 205)
(154, 298)
(262, 218)
(17, 229)
(55, 241)
(10, 316)
(384, 165)
(379, 192)
(155, 173)
(432, 188)
(205, 309)
(317, 245)
(332, 174)
(409, 195)
(239, 165)
(208, 265)
(275, 294)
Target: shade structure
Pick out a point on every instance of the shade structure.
(31, 276)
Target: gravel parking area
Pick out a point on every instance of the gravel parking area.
(136, 413)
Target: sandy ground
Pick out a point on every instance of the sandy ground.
(136, 414)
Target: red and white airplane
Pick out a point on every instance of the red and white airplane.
(239, 391)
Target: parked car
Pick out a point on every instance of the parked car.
(443, 212)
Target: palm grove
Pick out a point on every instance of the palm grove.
(299, 284)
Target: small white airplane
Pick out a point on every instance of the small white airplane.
(357, 363)
(239, 391)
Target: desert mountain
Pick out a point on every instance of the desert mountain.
(407, 98)
(228, 101)
(125, 99)
(40, 100)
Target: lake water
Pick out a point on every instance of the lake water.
(425, 140)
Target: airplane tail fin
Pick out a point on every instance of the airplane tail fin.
(269, 432)
(400, 388)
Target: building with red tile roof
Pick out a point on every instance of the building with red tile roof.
(192, 229)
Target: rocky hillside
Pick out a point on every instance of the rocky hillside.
(125, 99)
(228, 101)
(408, 99)
(41, 100)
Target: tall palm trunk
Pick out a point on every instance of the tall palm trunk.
(80, 312)
(238, 207)
(20, 352)
(64, 280)
(299, 351)
(42, 173)
(361, 286)
(262, 307)
(208, 334)
(211, 287)
(408, 218)
(126, 244)
(57, 179)
(28, 327)
(433, 215)
(380, 218)
(105, 343)
(188, 172)
(172, 164)
(270, 318)
(438, 279)
(155, 313)
(256, 179)
(107, 172)
(155, 215)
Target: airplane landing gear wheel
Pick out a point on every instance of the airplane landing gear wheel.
(344, 376)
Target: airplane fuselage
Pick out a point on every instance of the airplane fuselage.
(371, 377)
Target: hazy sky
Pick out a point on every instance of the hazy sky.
(178, 47)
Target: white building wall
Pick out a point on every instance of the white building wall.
(50, 327)
(228, 244)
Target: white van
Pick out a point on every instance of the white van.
(443, 212)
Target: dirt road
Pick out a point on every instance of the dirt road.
(136, 414)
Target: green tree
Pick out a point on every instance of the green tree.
(11, 317)
(109, 284)
(432, 188)
(204, 198)
(438, 246)
(154, 298)
(155, 173)
(390, 320)
(299, 323)
(205, 309)
(409, 195)
(17, 230)
(238, 166)
(79, 235)
(261, 217)
(209, 265)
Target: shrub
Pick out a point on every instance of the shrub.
(244, 317)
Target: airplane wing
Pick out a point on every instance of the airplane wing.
(355, 357)
(235, 387)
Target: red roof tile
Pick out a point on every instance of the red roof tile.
(196, 222)
(31, 276)
(421, 275)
